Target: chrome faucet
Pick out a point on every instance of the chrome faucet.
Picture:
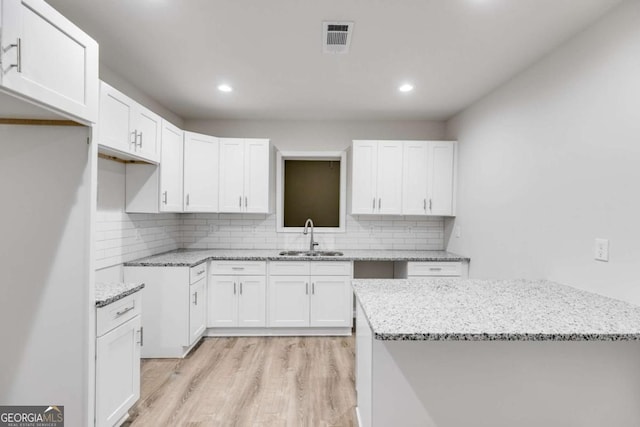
(312, 244)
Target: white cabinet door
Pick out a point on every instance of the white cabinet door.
(231, 175)
(115, 127)
(389, 188)
(414, 180)
(223, 306)
(147, 133)
(288, 301)
(200, 173)
(48, 59)
(364, 173)
(256, 176)
(117, 372)
(252, 301)
(197, 310)
(331, 301)
(171, 169)
(441, 178)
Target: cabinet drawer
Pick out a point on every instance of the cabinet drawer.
(289, 268)
(117, 313)
(239, 267)
(436, 269)
(198, 272)
(331, 268)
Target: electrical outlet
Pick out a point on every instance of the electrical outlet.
(602, 250)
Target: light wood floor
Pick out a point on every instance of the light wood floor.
(261, 381)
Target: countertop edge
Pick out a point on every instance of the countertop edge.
(503, 337)
(110, 300)
(292, 258)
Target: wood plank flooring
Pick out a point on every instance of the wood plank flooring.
(254, 381)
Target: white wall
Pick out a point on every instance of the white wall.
(318, 134)
(551, 160)
(111, 77)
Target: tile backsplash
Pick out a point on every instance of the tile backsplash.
(122, 237)
(244, 231)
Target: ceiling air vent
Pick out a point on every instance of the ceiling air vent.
(336, 36)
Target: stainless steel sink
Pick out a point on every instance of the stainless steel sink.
(310, 253)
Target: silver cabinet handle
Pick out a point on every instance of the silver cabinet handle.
(237, 268)
(18, 46)
(200, 272)
(240, 201)
(164, 197)
(435, 268)
(234, 288)
(246, 203)
(141, 335)
(187, 199)
(313, 288)
(195, 298)
(374, 203)
(126, 310)
(135, 138)
(430, 204)
(240, 288)
(140, 144)
(379, 203)
(425, 205)
(306, 288)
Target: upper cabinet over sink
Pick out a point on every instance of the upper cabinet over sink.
(403, 178)
(47, 61)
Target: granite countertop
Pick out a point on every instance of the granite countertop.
(492, 310)
(106, 293)
(192, 258)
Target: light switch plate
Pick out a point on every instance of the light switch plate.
(602, 250)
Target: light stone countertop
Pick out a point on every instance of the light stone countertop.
(107, 293)
(492, 310)
(192, 258)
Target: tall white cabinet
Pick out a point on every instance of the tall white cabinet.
(376, 177)
(201, 165)
(244, 175)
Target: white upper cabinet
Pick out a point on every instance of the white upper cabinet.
(126, 129)
(200, 173)
(415, 192)
(48, 60)
(429, 178)
(171, 168)
(376, 177)
(152, 188)
(244, 175)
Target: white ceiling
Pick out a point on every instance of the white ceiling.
(452, 51)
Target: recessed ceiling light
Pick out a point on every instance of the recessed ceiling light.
(406, 88)
(225, 88)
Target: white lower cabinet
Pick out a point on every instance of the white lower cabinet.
(310, 300)
(237, 295)
(118, 344)
(175, 307)
(443, 269)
